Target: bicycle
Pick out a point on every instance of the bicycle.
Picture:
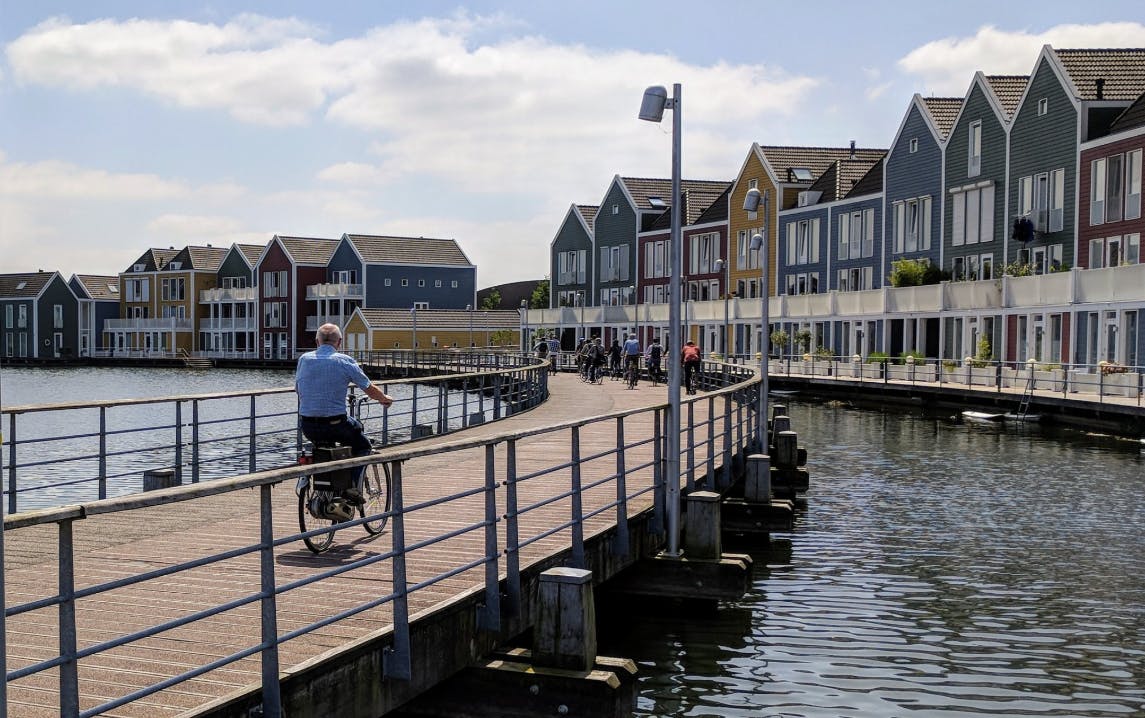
(330, 498)
(631, 375)
(691, 379)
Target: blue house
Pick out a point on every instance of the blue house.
(570, 257)
(98, 297)
(40, 314)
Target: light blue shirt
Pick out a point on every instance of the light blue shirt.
(632, 348)
(321, 380)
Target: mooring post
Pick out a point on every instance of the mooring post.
(702, 529)
(757, 485)
(565, 633)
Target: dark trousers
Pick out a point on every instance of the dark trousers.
(346, 431)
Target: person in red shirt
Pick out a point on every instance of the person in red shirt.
(691, 357)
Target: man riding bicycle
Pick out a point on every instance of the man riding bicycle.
(321, 381)
(691, 357)
(632, 353)
(654, 355)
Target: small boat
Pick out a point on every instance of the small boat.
(983, 416)
(1029, 418)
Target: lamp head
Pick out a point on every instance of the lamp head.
(756, 242)
(719, 265)
(653, 104)
(753, 199)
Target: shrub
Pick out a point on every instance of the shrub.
(877, 357)
(803, 339)
(915, 273)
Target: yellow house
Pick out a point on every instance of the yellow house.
(781, 173)
(379, 329)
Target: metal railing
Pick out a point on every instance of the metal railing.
(521, 508)
(103, 448)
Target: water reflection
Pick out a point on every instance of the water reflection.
(937, 569)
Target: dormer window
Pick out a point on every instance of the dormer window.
(175, 265)
(113, 289)
(21, 285)
(139, 268)
(799, 174)
(657, 202)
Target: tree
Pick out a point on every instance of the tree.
(492, 300)
(540, 298)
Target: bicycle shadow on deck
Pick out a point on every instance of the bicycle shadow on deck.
(340, 554)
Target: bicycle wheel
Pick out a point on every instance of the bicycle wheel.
(307, 522)
(632, 379)
(377, 494)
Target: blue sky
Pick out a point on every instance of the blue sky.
(128, 125)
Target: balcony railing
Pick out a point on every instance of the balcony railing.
(149, 325)
(238, 324)
(334, 291)
(228, 294)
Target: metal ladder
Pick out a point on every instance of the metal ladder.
(1027, 395)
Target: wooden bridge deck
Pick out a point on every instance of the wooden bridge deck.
(111, 546)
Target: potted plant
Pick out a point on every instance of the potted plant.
(779, 339)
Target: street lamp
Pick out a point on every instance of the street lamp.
(635, 311)
(751, 203)
(524, 323)
(469, 308)
(652, 110)
(720, 265)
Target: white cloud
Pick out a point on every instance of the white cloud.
(193, 227)
(946, 66)
(53, 179)
(875, 92)
(351, 173)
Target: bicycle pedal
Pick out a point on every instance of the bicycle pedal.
(354, 497)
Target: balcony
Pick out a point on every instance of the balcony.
(982, 294)
(228, 294)
(228, 324)
(1040, 290)
(162, 324)
(313, 322)
(1113, 284)
(334, 291)
(906, 300)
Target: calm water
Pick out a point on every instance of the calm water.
(937, 570)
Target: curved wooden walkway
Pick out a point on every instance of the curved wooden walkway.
(111, 546)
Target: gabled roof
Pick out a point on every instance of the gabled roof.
(1132, 118)
(408, 250)
(24, 286)
(154, 259)
(98, 286)
(1122, 71)
(696, 204)
(871, 182)
(309, 250)
(943, 111)
(842, 176)
(207, 259)
(644, 190)
(588, 213)
(717, 211)
(251, 252)
(458, 319)
(1008, 89)
(784, 160)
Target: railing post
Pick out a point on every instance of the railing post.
(497, 397)
(489, 615)
(658, 484)
(512, 552)
(577, 515)
(271, 696)
(252, 432)
(413, 410)
(385, 422)
(727, 472)
(710, 474)
(195, 441)
(103, 452)
(179, 441)
(69, 669)
(3, 631)
(442, 410)
(396, 657)
(620, 543)
(691, 452)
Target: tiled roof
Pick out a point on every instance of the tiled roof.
(644, 188)
(309, 250)
(15, 286)
(814, 159)
(1133, 117)
(717, 211)
(251, 252)
(943, 110)
(154, 259)
(1122, 69)
(409, 250)
(588, 212)
(207, 258)
(842, 176)
(1008, 89)
(871, 182)
(99, 286)
(442, 318)
(696, 204)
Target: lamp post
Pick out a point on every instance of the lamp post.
(652, 110)
(469, 308)
(524, 323)
(485, 319)
(635, 312)
(751, 203)
(721, 265)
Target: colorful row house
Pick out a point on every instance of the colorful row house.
(968, 237)
(41, 316)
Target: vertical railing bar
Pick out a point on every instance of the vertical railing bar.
(465, 402)
(385, 420)
(251, 436)
(710, 473)
(442, 409)
(413, 408)
(195, 441)
(491, 614)
(620, 545)
(69, 670)
(396, 658)
(271, 695)
(103, 452)
(11, 463)
(577, 516)
(512, 554)
(658, 499)
(496, 396)
(3, 630)
(691, 452)
(178, 441)
(727, 471)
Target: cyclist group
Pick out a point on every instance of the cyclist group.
(622, 361)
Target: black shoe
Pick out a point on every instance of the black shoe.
(354, 497)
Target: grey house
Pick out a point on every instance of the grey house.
(570, 257)
(41, 316)
(98, 298)
(228, 321)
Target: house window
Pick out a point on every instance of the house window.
(22, 317)
(57, 316)
(421, 305)
(913, 145)
(1133, 185)
(973, 219)
(405, 282)
(1114, 189)
(1097, 192)
(387, 281)
(753, 184)
(614, 263)
(616, 209)
(9, 316)
(421, 282)
(974, 165)
(1043, 106)
(571, 266)
(704, 248)
(437, 283)
(453, 284)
